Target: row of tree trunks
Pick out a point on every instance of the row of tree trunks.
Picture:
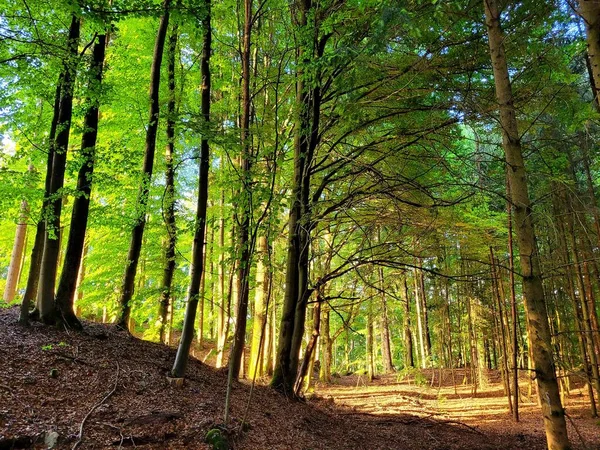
(67, 286)
(49, 264)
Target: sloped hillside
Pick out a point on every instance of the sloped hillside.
(51, 380)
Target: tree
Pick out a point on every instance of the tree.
(137, 232)
(49, 261)
(65, 293)
(537, 316)
(179, 366)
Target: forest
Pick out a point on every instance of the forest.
(334, 211)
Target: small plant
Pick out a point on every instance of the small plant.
(216, 439)
(47, 347)
(417, 376)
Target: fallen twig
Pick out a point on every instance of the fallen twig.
(577, 431)
(106, 397)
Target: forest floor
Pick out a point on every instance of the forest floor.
(105, 389)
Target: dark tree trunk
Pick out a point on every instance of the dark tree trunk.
(187, 335)
(63, 125)
(306, 138)
(67, 285)
(310, 347)
(169, 196)
(137, 233)
(38, 245)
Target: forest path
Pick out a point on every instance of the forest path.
(447, 398)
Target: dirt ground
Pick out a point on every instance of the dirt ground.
(450, 398)
(104, 389)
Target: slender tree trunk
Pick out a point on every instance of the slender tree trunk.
(187, 335)
(244, 242)
(425, 311)
(409, 360)
(33, 278)
(260, 318)
(50, 255)
(370, 345)
(537, 317)
(169, 195)
(513, 308)
(221, 333)
(137, 232)
(386, 348)
(496, 282)
(65, 294)
(311, 346)
(80, 278)
(418, 305)
(16, 256)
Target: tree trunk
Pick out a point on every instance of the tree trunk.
(187, 335)
(409, 360)
(67, 286)
(369, 346)
(169, 195)
(590, 11)
(16, 257)
(221, 285)
(260, 318)
(386, 347)
(418, 305)
(513, 309)
(49, 263)
(33, 278)
(311, 346)
(245, 247)
(537, 317)
(137, 233)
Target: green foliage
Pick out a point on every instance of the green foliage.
(414, 375)
(216, 439)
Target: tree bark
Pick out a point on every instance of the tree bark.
(50, 255)
(590, 11)
(197, 268)
(33, 277)
(16, 257)
(65, 294)
(260, 318)
(409, 360)
(244, 243)
(386, 347)
(169, 195)
(137, 232)
(537, 317)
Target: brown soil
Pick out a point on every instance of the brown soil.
(51, 380)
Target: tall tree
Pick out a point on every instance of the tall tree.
(67, 285)
(244, 243)
(137, 232)
(537, 317)
(169, 195)
(187, 335)
(49, 262)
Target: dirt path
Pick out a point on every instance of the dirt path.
(485, 411)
